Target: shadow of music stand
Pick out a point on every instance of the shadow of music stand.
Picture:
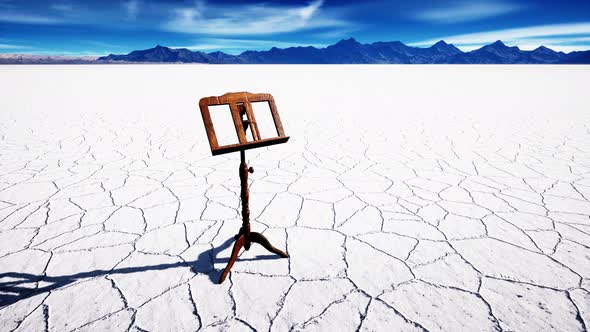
(243, 117)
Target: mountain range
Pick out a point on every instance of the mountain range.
(350, 51)
(346, 51)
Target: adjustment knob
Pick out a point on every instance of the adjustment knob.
(251, 169)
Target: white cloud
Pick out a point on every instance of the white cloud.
(256, 19)
(14, 17)
(466, 11)
(564, 37)
(12, 47)
(307, 12)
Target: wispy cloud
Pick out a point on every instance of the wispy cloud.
(565, 37)
(466, 11)
(337, 34)
(66, 54)
(257, 19)
(16, 17)
(12, 47)
(64, 13)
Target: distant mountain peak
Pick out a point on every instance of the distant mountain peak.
(443, 47)
(544, 49)
(499, 47)
(349, 41)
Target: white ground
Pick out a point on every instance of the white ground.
(448, 198)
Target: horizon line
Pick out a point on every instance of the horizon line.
(194, 49)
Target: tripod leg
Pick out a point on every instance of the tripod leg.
(259, 238)
(234, 255)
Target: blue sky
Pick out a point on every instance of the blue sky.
(100, 27)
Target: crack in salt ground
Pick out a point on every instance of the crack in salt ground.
(508, 203)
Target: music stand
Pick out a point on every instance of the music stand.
(240, 106)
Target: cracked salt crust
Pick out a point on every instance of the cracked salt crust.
(409, 198)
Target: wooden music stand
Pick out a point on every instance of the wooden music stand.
(240, 106)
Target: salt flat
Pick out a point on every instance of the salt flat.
(440, 198)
